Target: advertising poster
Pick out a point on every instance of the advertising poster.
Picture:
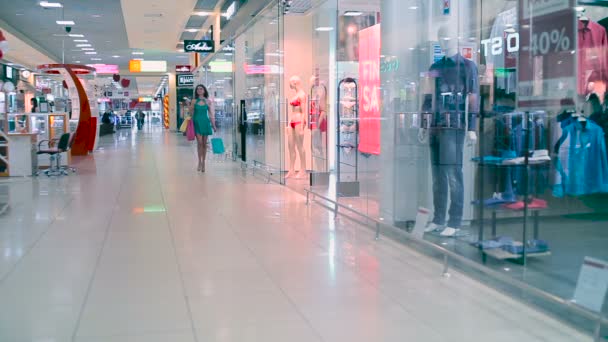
(369, 90)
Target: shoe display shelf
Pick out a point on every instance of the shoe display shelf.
(530, 212)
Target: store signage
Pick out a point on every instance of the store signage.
(545, 58)
(9, 72)
(105, 68)
(592, 284)
(254, 69)
(200, 46)
(369, 90)
(185, 80)
(183, 68)
(497, 45)
(389, 65)
(145, 99)
(147, 66)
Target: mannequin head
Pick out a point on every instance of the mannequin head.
(295, 83)
(314, 80)
(448, 40)
(597, 84)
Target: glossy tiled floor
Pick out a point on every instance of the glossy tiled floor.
(137, 247)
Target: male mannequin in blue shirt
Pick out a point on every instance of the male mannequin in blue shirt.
(454, 107)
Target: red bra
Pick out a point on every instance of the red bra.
(296, 103)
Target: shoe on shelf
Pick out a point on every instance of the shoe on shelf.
(432, 227)
(448, 231)
(539, 157)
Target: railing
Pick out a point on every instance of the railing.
(447, 255)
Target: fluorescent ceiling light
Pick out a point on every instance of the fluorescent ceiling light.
(76, 35)
(202, 13)
(80, 41)
(138, 59)
(47, 4)
(96, 16)
(137, 53)
(90, 53)
(324, 29)
(88, 49)
(115, 56)
(95, 59)
(192, 30)
(65, 22)
(352, 13)
(413, 7)
(76, 61)
(83, 45)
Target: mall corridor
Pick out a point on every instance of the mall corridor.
(137, 246)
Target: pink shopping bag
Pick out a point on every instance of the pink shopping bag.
(190, 135)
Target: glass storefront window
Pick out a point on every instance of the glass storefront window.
(489, 115)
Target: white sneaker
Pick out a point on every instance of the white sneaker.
(449, 231)
(432, 227)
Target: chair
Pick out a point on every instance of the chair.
(54, 153)
(67, 167)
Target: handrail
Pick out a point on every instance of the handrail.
(597, 317)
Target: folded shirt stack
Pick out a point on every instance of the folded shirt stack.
(509, 245)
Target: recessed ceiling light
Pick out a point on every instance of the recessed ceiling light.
(192, 30)
(19, 14)
(115, 56)
(76, 35)
(80, 41)
(413, 7)
(324, 29)
(48, 4)
(65, 22)
(96, 15)
(83, 45)
(352, 13)
(76, 61)
(202, 13)
(137, 53)
(95, 59)
(88, 49)
(138, 59)
(90, 53)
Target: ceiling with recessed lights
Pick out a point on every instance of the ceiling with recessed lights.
(106, 31)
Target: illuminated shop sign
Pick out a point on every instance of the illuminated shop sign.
(220, 66)
(231, 10)
(147, 66)
(145, 99)
(105, 68)
(183, 68)
(186, 80)
(200, 46)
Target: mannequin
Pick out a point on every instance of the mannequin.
(454, 106)
(295, 129)
(318, 121)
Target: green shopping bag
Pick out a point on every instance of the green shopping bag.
(217, 145)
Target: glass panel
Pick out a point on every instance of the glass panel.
(257, 92)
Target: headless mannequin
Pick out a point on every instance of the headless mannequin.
(456, 91)
(295, 129)
(318, 121)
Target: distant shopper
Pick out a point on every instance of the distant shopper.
(203, 118)
(140, 116)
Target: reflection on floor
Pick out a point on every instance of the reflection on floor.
(139, 246)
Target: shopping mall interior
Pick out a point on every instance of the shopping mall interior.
(303, 170)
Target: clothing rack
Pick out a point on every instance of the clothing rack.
(347, 188)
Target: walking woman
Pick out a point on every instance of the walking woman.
(203, 118)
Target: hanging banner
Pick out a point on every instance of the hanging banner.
(369, 90)
(201, 46)
(546, 42)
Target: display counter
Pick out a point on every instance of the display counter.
(22, 154)
(44, 126)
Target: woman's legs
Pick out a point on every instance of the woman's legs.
(199, 149)
(203, 153)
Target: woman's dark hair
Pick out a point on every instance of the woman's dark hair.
(205, 93)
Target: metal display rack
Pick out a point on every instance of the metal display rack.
(347, 138)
